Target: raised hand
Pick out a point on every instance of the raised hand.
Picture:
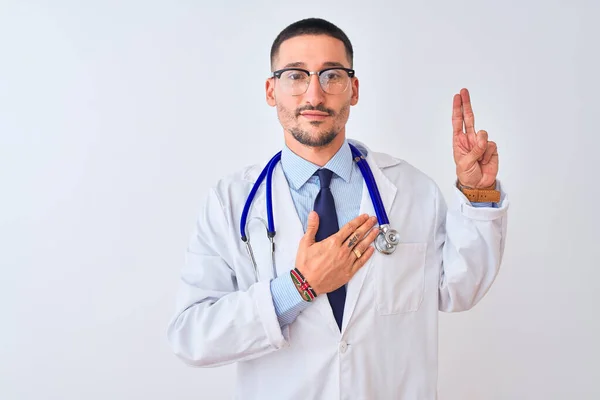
(476, 158)
(330, 263)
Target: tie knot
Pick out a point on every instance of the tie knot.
(324, 177)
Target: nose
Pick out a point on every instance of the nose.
(314, 93)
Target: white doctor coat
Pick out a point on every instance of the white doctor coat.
(388, 344)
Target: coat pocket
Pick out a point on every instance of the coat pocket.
(400, 279)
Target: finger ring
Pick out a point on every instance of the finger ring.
(356, 252)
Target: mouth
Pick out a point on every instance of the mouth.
(314, 115)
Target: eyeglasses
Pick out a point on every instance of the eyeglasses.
(295, 81)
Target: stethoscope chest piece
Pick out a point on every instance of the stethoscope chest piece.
(387, 240)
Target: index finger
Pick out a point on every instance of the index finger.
(468, 112)
(350, 227)
(457, 115)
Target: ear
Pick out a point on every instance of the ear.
(270, 92)
(354, 98)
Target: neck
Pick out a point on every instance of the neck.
(316, 155)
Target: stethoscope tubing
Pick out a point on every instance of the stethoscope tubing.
(270, 219)
(267, 173)
(371, 186)
(259, 180)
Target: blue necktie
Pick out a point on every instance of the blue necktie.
(328, 225)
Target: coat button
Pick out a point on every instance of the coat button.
(343, 347)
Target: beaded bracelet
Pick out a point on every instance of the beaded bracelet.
(307, 292)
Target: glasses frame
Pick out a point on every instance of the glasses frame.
(351, 73)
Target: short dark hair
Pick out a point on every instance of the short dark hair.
(312, 26)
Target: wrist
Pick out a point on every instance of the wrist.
(302, 285)
(481, 194)
(461, 186)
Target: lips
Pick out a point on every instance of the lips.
(314, 115)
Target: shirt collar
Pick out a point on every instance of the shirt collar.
(298, 170)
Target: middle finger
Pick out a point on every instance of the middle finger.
(468, 115)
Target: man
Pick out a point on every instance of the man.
(336, 319)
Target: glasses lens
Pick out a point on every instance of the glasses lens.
(334, 81)
(294, 82)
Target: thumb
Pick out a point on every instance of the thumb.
(311, 228)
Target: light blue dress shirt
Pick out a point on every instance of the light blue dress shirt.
(346, 187)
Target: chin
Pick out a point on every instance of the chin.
(314, 137)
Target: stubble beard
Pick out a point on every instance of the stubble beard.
(320, 139)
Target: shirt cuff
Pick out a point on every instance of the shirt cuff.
(472, 211)
(286, 299)
(486, 204)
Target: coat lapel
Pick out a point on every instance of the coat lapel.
(288, 228)
(387, 190)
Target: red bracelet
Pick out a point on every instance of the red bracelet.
(307, 292)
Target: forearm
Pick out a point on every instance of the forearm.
(237, 326)
(470, 244)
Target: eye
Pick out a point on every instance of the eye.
(294, 76)
(332, 75)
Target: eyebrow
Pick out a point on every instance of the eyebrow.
(325, 64)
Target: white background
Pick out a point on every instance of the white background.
(116, 117)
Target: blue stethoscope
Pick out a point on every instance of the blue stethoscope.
(385, 243)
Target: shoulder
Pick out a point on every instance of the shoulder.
(414, 185)
(236, 184)
(400, 171)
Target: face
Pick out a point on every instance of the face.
(314, 118)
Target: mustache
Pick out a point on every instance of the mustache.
(320, 108)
